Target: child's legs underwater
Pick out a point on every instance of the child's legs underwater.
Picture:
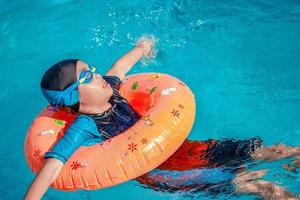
(195, 161)
(232, 153)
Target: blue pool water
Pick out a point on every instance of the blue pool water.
(240, 58)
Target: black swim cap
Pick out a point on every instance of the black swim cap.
(60, 76)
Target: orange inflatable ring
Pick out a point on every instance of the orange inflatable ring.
(168, 109)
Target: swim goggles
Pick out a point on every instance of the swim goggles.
(85, 76)
(69, 96)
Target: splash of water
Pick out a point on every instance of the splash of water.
(150, 58)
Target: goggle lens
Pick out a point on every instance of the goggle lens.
(86, 76)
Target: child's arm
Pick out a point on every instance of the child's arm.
(43, 179)
(144, 48)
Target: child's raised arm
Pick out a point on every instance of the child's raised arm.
(43, 179)
(143, 48)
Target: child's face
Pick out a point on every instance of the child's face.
(94, 94)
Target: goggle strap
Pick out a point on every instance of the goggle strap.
(81, 80)
(68, 90)
(59, 99)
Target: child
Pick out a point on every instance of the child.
(103, 112)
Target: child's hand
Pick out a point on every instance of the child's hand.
(147, 46)
(144, 49)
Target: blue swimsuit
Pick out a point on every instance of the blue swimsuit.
(91, 129)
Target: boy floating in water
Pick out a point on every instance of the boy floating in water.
(73, 85)
(103, 112)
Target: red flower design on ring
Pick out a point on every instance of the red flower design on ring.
(76, 165)
(132, 147)
(144, 141)
(37, 153)
(175, 113)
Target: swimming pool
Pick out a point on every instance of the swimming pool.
(241, 59)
